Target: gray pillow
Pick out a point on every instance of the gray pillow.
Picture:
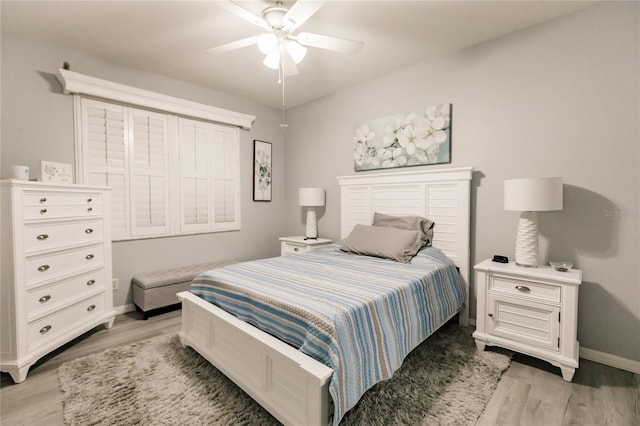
(412, 223)
(389, 243)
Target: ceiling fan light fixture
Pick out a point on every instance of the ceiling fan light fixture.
(268, 43)
(296, 51)
(272, 60)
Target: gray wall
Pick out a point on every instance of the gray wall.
(37, 124)
(557, 99)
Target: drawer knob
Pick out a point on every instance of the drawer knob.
(42, 237)
(523, 288)
(44, 299)
(89, 257)
(89, 209)
(91, 282)
(45, 329)
(43, 268)
(491, 315)
(88, 231)
(89, 200)
(91, 308)
(296, 249)
(43, 199)
(43, 211)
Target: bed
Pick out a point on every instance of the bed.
(295, 387)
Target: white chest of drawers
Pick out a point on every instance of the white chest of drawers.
(55, 271)
(529, 310)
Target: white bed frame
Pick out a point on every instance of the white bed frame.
(293, 387)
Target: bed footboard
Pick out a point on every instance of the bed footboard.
(293, 387)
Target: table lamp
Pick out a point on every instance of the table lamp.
(311, 198)
(530, 196)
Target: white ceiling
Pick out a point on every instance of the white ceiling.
(171, 38)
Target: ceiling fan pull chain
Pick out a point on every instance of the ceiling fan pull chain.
(284, 124)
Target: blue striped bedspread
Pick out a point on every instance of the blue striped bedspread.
(359, 315)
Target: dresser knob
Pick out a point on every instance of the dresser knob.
(91, 308)
(89, 200)
(44, 299)
(45, 329)
(89, 209)
(43, 211)
(89, 257)
(296, 249)
(91, 282)
(42, 237)
(523, 288)
(491, 315)
(88, 231)
(43, 199)
(43, 268)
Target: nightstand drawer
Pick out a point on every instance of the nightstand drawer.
(534, 324)
(291, 248)
(528, 289)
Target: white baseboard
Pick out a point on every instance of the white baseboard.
(610, 360)
(123, 309)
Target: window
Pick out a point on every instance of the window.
(129, 149)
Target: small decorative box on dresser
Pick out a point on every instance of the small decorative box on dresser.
(56, 268)
(529, 310)
(295, 245)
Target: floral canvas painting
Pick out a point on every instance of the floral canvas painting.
(417, 138)
(261, 171)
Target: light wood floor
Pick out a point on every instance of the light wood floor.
(530, 392)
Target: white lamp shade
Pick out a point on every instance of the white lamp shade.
(268, 43)
(272, 60)
(296, 51)
(311, 197)
(533, 195)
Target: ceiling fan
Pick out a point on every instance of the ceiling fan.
(283, 47)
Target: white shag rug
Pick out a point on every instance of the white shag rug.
(444, 381)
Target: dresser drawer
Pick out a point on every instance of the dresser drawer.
(527, 289)
(49, 327)
(292, 248)
(60, 293)
(53, 235)
(39, 205)
(63, 262)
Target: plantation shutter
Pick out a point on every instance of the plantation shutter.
(149, 173)
(226, 188)
(195, 175)
(104, 157)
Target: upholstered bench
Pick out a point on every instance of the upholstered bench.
(154, 290)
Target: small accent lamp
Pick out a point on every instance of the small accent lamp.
(530, 196)
(311, 198)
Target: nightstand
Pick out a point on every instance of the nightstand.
(295, 245)
(529, 310)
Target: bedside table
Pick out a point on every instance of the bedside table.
(529, 310)
(295, 245)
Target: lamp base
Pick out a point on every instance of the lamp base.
(527, 240)
(312, 224)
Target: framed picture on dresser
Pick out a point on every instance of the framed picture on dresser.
(262, 180)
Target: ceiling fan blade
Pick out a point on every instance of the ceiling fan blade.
(243, 13)
(330, 43)
(300, 12)
(238, 44)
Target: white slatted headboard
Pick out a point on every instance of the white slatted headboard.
(442, 195)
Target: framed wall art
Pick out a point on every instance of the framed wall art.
(414, 139)
(262, 181)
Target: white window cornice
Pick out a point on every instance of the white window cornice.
(76, 83)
